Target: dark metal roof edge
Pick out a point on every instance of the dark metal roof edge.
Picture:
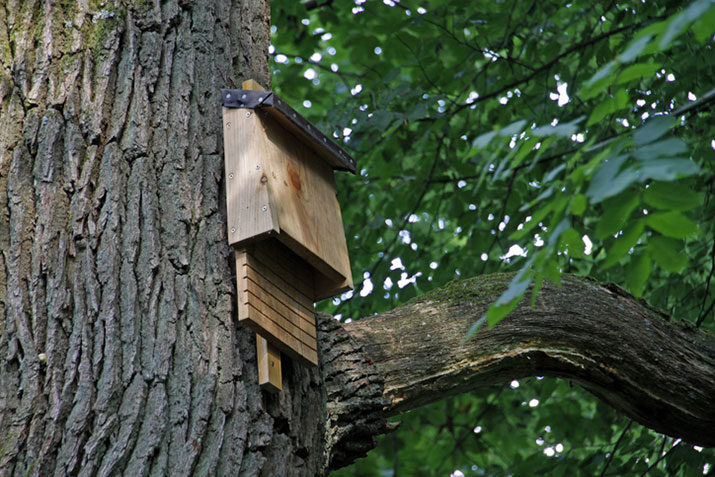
(322, 144)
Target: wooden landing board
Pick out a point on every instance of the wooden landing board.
(275, 299)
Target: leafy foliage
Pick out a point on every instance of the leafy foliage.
(536, 137)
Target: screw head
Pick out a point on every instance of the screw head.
(230, 176)
(228, 125)
(265, 208)
(233, 230)
(257, 167)
(248, 114)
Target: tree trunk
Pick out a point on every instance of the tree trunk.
(120, 346)
(118, 332)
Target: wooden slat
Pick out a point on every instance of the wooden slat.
(286, 320)
(270, 313)
(280, 288)
(275, 254)
(271, 307)
(269, 365)
(275, 273)
(249, 207)
(283, 340)
(296, 318)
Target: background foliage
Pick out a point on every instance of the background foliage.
(538, 137)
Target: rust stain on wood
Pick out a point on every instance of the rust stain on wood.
(294, 177)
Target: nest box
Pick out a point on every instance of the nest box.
(284, 222)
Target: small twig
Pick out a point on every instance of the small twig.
(615, 447)
(663, 456)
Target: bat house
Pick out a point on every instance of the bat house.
(284, 223)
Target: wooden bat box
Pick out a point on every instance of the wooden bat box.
(283, 217)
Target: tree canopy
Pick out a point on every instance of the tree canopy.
(532, 137)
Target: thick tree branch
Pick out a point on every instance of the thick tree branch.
(658, 372)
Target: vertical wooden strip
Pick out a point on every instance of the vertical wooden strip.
(269, 365)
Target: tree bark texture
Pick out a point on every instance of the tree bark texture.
(121, 353)
(659, 372)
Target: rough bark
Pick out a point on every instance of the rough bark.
(120, 346)
(659, 372)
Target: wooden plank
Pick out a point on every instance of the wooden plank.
(277, 302)
(249, 206)
(268, 312)
(281, 288)
(248, 268)
(258, 308)
(326, 288)
(252, 84)
(281, 276)
(303, 188)
(269, 365)
(308, 209)
(276, 254)
(283, 316)
(280, 337)
(279, 257)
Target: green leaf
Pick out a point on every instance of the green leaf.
(634, 49)
(637, 273)
(610, 106)
(621, 182)
(496, 312)
(638, 71)
(475, 327)
(514, 128)
(551, 271)
(615, 213)
(704, 27)
(667, 147)
(563, 130)
(578, 204)
(598, 82)
(536, 217)
(600, 187)
(667, 253)
(623, 243)
(672, 224)
(571, 240)
(654, 128)
(680, 22)
(483, 140)
(667, 169)
(514, 292)
(671, 196)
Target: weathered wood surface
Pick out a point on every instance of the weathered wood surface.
(250, 210)
(270, 375)
(658, 372)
